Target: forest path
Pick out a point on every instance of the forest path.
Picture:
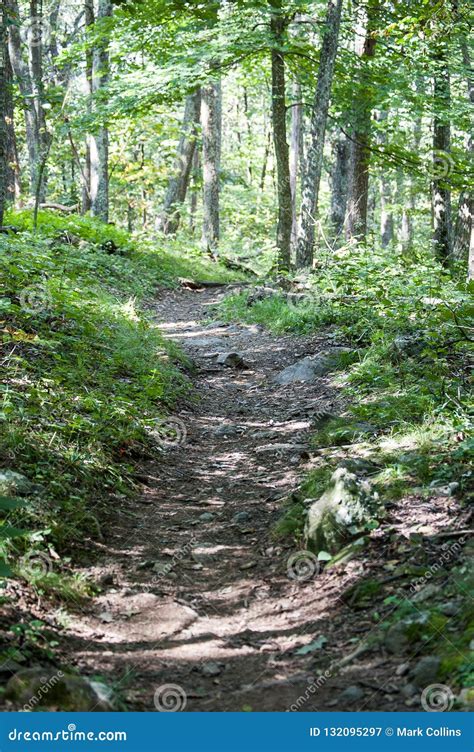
(195, 591)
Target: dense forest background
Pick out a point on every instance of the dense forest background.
(339, 123)
(236, 262)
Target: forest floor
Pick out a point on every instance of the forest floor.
(195, 588)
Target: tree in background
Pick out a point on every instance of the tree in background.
(99, 141)
(314, 157)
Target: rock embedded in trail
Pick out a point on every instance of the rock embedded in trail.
(342, 512)
(49, 688)
(310, 368)
(231, 360)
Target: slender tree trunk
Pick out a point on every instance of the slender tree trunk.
(314, 157)
(99, 143)
(35, 54)
(178, 184)
(339, 184)
(23, 78)
(285, 210)
(195, 180)
(385, 186)
(86, 186)
(13, 164)
(211, 121)
(464, 227)
(3, 110)
(441, 193)
(359, 158)
(295, 153)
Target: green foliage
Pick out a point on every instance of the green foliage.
(85, 370)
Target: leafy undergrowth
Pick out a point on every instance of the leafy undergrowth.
(85, 374)
(410, 325)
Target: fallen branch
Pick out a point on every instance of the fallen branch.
(60, 207)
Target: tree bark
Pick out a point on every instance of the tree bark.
(99, 142)
(23, 78)
(178, 184)
(211, 121)
(314, 157)
(339, 175)
(3, 110)
(35, 56)
(13, 164)
(278, 27)
(441, 193)
(295, 153)
(89, 21)
(359, 158)
(386, 211)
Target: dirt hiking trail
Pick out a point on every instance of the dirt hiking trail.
(196, 592)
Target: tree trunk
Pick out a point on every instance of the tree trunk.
(314, 157)
(3, 110)
(178, 184)
(23, 78)
(86, 186)
(339, 184)
(211, 121)
(295, 153)
(386, 212)
(464, 228)
(35, 55)
(99, 142)
(13, 165)
(359, 157)
(195, 180)
(441, 193)
(278, 27)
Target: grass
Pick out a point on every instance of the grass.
(85, 371)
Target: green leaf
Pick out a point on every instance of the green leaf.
(324, 556)
(5, 570)
(7, 531)
(7, 502)
(315, 645)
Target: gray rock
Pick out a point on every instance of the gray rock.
(408, 345)
(310, 368)
(425, 594)
(39, 688)
(227, 431)
(211, 669)
(450, 608)
(206, 517)
(341, 513)
(409, 690)
(403, 632)
(351, 695)
(204, 341)
(16, 484)
(241, 517)
(426, 670)
(231, 360)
